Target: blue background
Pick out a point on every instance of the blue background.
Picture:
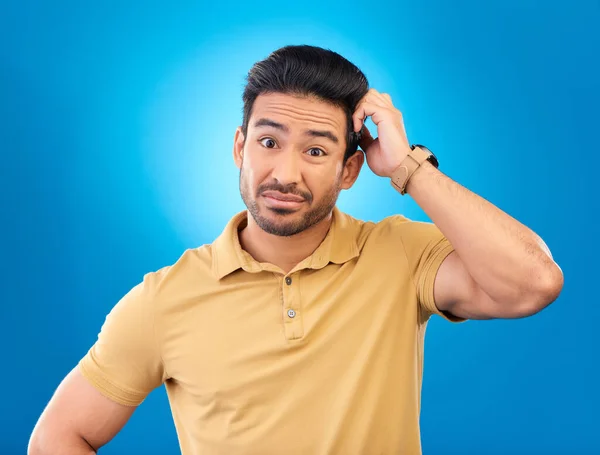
(116, 128)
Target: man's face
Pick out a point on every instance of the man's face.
(291, 162)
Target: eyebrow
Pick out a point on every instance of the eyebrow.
(314, 133)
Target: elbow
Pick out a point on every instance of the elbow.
(550, 286)
(547, 288)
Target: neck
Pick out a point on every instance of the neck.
(283, 252)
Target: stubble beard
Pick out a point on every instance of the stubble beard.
(280, 226)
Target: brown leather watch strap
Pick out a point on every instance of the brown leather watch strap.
(407, 168)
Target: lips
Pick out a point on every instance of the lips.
(285, 197)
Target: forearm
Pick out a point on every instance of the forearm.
(506, 259)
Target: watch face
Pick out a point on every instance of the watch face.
(432, 158)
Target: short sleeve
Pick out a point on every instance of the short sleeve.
(426, 248)
(124, 363)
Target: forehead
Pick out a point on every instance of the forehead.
(294, 109)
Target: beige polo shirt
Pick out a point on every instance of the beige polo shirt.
(326, 359)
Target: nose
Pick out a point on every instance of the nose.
(287, 167)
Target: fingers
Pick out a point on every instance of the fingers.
(367, 107)
(383, 99)
(388, 98)
(366, 140)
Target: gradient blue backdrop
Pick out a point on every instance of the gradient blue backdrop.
(116, 127)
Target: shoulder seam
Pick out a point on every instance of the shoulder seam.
(412, 278)
(155, 335)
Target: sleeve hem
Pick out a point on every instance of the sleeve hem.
(428, 285)
(109, 389)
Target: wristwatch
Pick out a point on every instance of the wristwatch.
(417, 156)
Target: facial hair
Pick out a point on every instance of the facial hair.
(281, 226)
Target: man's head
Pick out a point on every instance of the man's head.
(296, 148)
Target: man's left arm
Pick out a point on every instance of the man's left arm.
(499, 268)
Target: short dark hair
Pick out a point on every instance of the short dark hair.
(308, 71)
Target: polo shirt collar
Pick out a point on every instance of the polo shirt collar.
(339, 246)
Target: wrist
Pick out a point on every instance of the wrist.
(421, 176)
(417, 157)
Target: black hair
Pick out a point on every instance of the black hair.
(308, 71)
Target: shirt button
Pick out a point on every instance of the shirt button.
(291, 313)
(288, 281)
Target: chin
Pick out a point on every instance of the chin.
(281, 222)
(281, 211)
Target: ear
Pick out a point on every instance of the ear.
(238, 147)
(352, 169)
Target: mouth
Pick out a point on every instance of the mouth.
(276, 199)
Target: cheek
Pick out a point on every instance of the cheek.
(254, 171)
(320, 179)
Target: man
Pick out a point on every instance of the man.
(300, 329)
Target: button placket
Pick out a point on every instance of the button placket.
(292, 321)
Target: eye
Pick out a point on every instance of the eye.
(268, 142)
(315, 152)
